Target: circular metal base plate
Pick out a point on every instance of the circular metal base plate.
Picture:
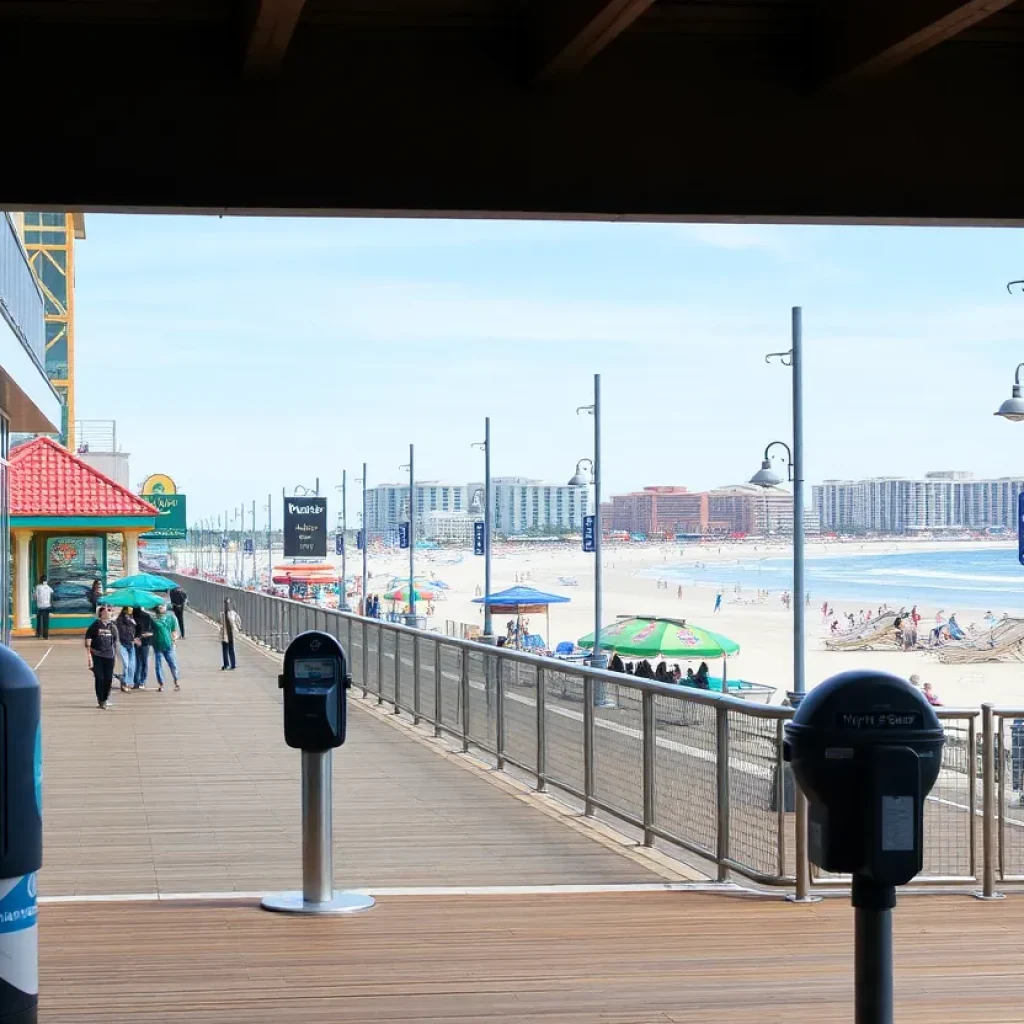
(793, 898)
(293, 903)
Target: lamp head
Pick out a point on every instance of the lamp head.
(1013, 408)
(766, 476)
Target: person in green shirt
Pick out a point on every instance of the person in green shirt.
(165, 629)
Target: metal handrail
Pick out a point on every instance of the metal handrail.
(657, 739)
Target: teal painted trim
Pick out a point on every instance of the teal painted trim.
(82, 622)
(82, 522)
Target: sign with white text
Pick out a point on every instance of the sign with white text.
(479, 546)
(305, 527)
(589, 532)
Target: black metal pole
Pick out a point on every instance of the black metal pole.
(873, 988)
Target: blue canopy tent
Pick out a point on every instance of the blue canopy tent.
(522, 599)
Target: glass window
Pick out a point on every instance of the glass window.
(32, 218)
(49, 220)
(72, 563)
(53, 238)
(32, 237)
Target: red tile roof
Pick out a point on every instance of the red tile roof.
(47, 480)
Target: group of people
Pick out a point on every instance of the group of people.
(128, 638)
(662, 673)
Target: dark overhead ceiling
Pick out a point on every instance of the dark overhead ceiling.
(713, 109)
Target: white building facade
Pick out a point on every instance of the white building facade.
(941, 501)
(522, 504)
(387, 505)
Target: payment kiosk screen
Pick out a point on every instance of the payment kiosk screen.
(313, 674)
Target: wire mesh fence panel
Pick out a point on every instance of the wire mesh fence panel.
(427, 690)
(619, 754)
(387, 683)
(948, 820)
(451, 689)
(754, 762)
(1009, 756)
(685, 766)
(356, 655)
(407, 682)
(563, 728)
(520, 712)
(483, 699)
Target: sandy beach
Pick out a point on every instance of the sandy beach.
(763, 629)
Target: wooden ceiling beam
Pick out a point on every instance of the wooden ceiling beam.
(570, 33)
(268, 34)
(866, 38)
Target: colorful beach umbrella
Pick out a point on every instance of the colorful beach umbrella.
(129, 597)
(402, 594)
(143, 581)
(668, 638)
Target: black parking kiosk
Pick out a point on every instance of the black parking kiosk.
(866, 748)
(315, 680)
(21, 838)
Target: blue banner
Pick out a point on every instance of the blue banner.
(247, 546)
(588, 532)
(224, 543)
(403, 535)
(339, 543)
(1020, 527)
(479, 547)
(359, 539)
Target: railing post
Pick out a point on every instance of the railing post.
(398, 672)
(803, 865)
(497, 669)
(650, 742)
(588, 745)
(380, 663)
(365, 659)
(464, 690)
(415, 680)
(722, 795)
(542, 749)
(437, 688)
(988, 804)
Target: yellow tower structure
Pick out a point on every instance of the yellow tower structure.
(49, 240)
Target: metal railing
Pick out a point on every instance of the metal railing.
(21, 301)
(701, 771)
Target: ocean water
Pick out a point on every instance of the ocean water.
(987, 578)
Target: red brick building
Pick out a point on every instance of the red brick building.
(657, 511)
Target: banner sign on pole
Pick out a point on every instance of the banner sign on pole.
(478, 539)
(359, 540)
(305, 527)
(223, 543)
(1020, 527)
(339, 543)
(588, 532)
(247, 546)
(403, 535)
(172, 523)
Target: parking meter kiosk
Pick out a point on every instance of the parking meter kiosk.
(866, 749)
(315, 681)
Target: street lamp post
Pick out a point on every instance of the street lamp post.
(366, 538)
(766, 477)
(343, 604)
(411, 617)
(488, 637)
(597, 658)
(270, 547)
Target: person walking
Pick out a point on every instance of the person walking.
(230, 627)
(94, 595)
(44, 603)
(718, 601)
(125, 626)
(165, 629)
(143, 643)
(178, 601)
(100, 650)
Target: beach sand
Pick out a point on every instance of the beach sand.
(763, 630)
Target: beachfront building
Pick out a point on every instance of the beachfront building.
(525, 505)
(660, 511)
(454, 528)
(63, 516)
(28, 402)
(756, 511)
(942, 501)
(387, 505)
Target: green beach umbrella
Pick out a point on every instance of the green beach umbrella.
(668, 638)
(143, 581)
(129, 597)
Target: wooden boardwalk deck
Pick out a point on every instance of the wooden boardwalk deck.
(650, 958)
(196, 792)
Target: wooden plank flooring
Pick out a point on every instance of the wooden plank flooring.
(197, 792)
(597, 959)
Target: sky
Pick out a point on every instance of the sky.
(243, 355)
